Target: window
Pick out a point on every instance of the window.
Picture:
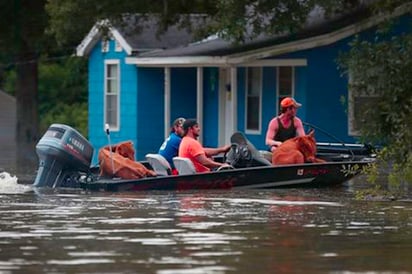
(112, 92)
(117, 46)
(253, 98)
(358, 103)
(105, 45)
(285, 80)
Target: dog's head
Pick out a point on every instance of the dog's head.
(125, 149)
(307, 145)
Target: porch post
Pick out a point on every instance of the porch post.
(233, 84)
(166, 106)
(199, 99)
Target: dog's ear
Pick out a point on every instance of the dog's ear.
(311, 133)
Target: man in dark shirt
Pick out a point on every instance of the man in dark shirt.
(285, 126)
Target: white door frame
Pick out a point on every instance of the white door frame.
(227, 104)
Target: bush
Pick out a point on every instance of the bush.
(384, 69)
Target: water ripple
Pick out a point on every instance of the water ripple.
(9, 185)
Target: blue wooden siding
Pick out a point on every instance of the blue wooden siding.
(300, 90)
(269, 105)
(210, 123)
(150, 110)
(241, 102)
(318, 86)
(183, 93)
(128, 95)
(150, 125)
(323, 91)
(96, 100)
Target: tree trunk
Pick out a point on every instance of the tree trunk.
(27, 128)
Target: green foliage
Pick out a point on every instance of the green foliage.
(62, 94)
(383, 68)
(235, 20)
(22, 27)
(74, 115)
(64, 81)
(240, 20)
(9, 82)
(70, 20)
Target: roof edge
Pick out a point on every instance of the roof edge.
(320, 40)
(7, 96)
(250, 56)
(94, 35)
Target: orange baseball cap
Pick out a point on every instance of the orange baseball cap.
(288, 102)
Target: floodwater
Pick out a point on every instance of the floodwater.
(248, 231)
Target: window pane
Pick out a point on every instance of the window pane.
(253, 81)
(112, 86)
(361, 104)
(112, 78)
(253, 98)
(112, 92)
(285, 81)
(112, 71)
(111, 110)
(105, 46)
(253, 113)
(360, 101)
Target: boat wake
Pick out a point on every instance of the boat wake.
(9, 185)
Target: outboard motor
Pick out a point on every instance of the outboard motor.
(63, 153)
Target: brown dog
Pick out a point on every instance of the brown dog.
(297, 150)
(120, 162)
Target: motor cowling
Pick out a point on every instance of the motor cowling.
(63, 153)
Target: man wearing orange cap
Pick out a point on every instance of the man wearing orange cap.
(286, 125)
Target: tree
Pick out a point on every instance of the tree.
(71, 20)
(383, 69)
(21, 39)
(23, 42)
(67, 76)
(236, 20)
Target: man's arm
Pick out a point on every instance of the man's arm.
(270, 134)
(300, 131)
(215, 151)
(206, 161)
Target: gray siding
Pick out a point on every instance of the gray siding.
(7, 132)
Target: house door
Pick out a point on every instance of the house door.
(226, 106)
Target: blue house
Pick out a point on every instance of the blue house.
(139, 83)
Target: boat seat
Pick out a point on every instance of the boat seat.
(184, 166)
(266, 154)
(159, 164)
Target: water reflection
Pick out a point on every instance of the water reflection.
(274, 231)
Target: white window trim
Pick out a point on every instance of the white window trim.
(112, 62)
(259, 130)
(351, 112)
